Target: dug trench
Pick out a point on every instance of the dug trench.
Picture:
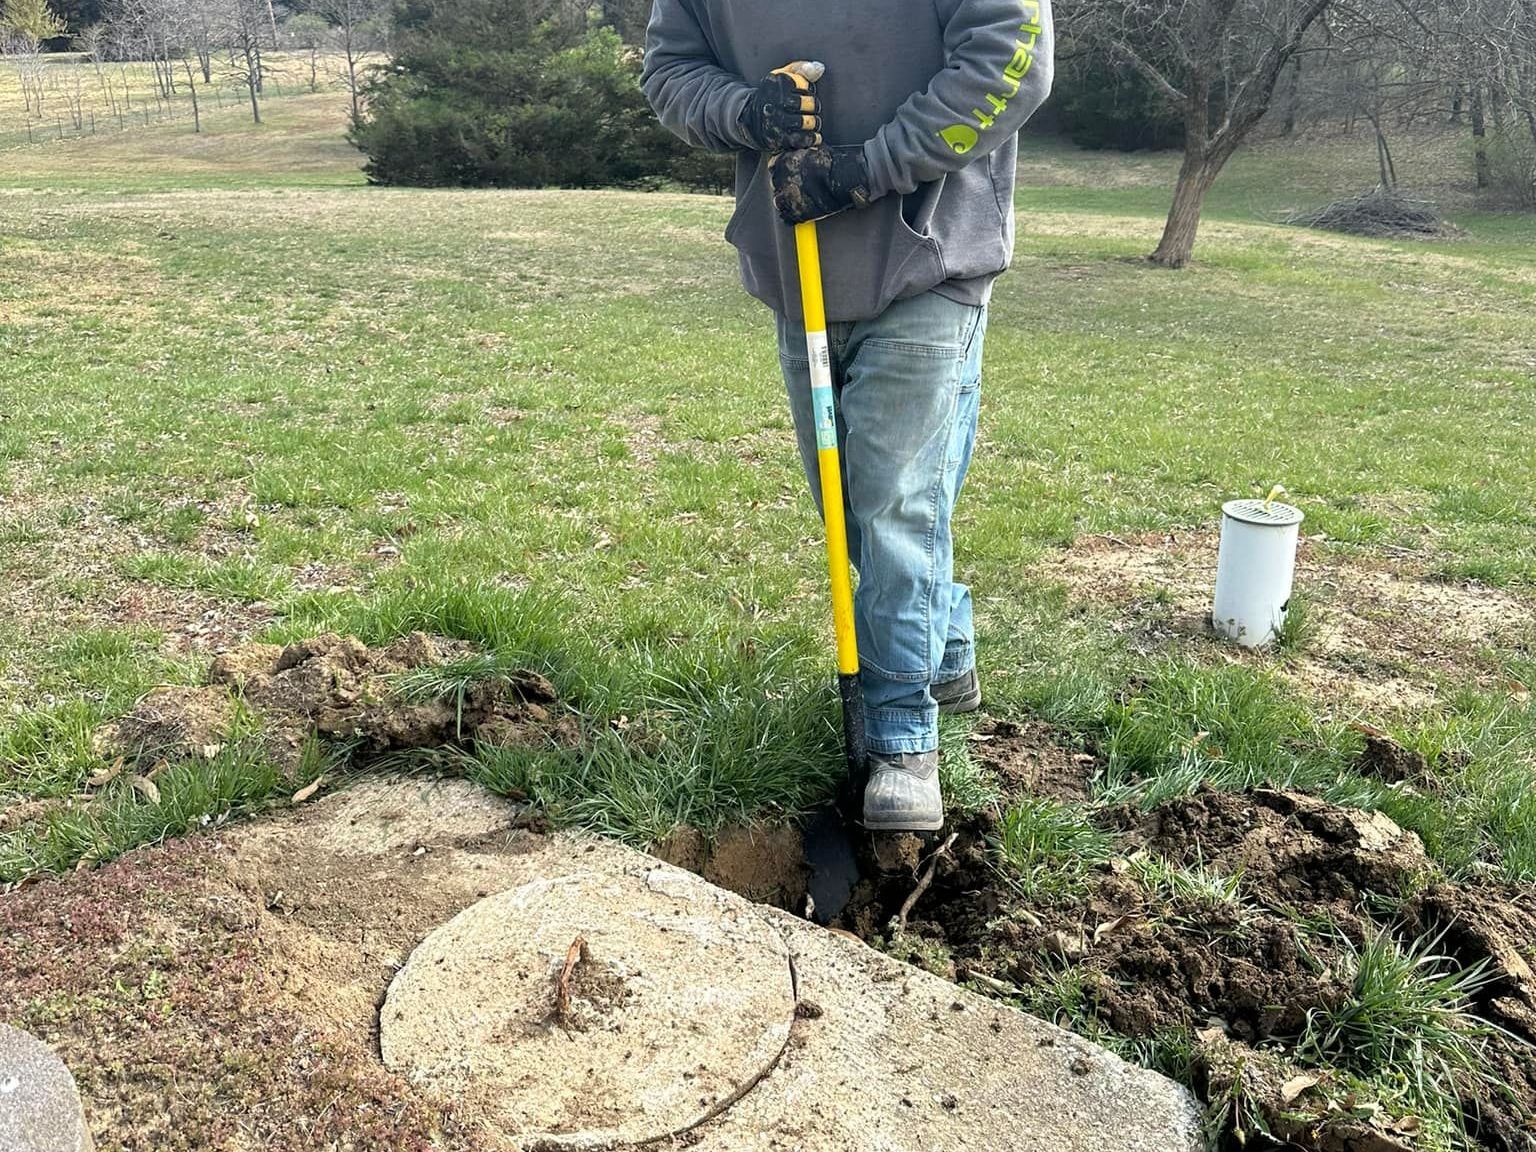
(1216, 934)
(234, 999)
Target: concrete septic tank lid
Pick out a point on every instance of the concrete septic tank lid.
(683, 1000)
(39, 1105)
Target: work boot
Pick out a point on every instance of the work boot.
(962, 694)
(903, 793)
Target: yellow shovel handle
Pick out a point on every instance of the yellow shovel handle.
(824, 405)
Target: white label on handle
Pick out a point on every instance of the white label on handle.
(823, 406)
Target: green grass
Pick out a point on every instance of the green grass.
(551, 423)
(1050, 848)
(1407, 1022)
(239, 779)
(1299, 625)
(231, 374)
(1196, 884)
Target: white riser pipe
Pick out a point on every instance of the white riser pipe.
(1256, 571)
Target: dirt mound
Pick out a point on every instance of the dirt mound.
(1231, 916)
(1029, 759)
(339, 689)
(171, 723)
(1386, 759)
(1497, 927)
(1288, 848)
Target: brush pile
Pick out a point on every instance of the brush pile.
(1382, 213)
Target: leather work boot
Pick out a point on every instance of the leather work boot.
(903, 793)
(962, 694)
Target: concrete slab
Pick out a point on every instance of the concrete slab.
(594, 1007)
(881, 1057)
(887, 1058)
(39, 1106)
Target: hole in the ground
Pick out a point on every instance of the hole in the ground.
(1215, 932)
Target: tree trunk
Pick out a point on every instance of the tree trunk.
(1480, 137)
(352, 55)
(1293, 101)
(1196, 175)
(197, 112)
(253, 81)
(1384, 162)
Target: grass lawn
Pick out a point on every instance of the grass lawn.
(242, 393)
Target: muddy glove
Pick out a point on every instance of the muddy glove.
(783, 112)
(814, 183)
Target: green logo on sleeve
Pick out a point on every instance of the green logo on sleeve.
(964, 137)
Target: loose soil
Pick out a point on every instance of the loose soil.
(262, 956)
(1030, 758)
(337, 689)
(230, 1001)
(234, 1004)
(1382, 635)
(1241, 976)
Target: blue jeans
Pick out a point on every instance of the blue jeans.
(908, 386)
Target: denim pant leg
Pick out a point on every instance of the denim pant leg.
(907, 386)
(960, 643)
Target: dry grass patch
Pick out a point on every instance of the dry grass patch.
(1383, 636)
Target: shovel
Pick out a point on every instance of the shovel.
(829, 839)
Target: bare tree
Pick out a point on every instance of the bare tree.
(1369, 70)
(197, 108)
(26, 56)
(307, 33)
(245, 25)
(1217, 61)
(1486, 57)
(94, 42)
(24, 25)
(358, 32)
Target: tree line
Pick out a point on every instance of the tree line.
(186, 44)
(1221, 65)
(537, 92)
(1199, 75)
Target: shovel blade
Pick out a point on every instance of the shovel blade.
(831, 853)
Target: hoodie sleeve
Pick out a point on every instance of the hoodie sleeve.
(1000, 63)
(692, 95)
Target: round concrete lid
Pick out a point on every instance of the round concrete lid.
(39, 1106)
(1266, 513)
(680, 1001)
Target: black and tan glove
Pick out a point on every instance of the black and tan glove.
(783, 112)
(814, 183)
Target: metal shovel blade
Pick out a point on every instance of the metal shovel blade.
(831, 854)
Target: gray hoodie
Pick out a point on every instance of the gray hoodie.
(935, 91)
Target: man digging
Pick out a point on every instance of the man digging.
(906, 150)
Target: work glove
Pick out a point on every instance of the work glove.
(783, 112)
(814, 183)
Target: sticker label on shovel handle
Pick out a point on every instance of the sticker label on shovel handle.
(823, 406)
